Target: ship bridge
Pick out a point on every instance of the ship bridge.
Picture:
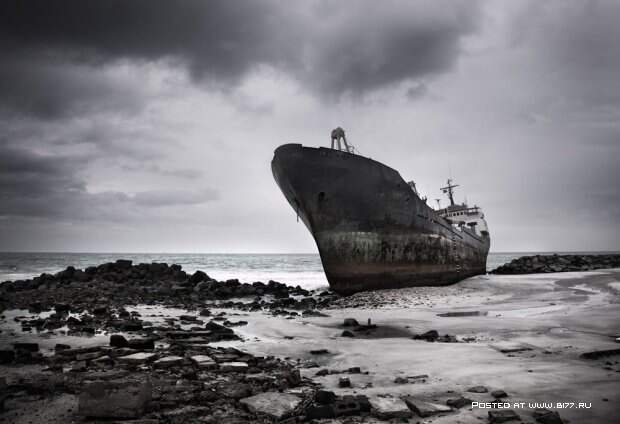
(463, 216)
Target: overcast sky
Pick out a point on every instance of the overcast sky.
(149, 126)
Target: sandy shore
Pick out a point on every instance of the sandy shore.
(521, 334)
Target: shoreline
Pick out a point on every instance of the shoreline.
(521, 334)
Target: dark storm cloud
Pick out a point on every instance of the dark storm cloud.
(330, 47)
(42, 186)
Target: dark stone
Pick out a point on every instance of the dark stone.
(321, 373)
(347, 333)
(344, 382)
(502, 416)
(28, 347)
(350, 322)
(218, 328)
(62, 308)
(7, 356)
(429, 336)
(141, 344)
(198, 277)
(324, 397)
(320, 412)
(319, 352)
(498, 394)
(61, 346)
(123, 264)
(117, 340)
(478, 389)
(600, 353)
(458, 402)
(545, 416)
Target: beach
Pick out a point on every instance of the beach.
(526, 342)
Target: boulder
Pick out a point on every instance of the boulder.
(350, 322)
(459, 402)
(273, 404)
(115, 399)
(324, 397)
(545, 416)
(137, 358)
(478, 389)
(26, 347)
(234, 366)
(198, 277)
(7, 356)
(168, 361)
(502, 416)
(425, 409)
(429, 336)
(204, 362)
(386, 408)
(117, 340)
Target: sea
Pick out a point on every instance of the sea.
(304, 270)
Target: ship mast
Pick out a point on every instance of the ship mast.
(449, 189)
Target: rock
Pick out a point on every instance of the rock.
(463, 314)
(503, 416)
(168, 361)
(204, 362)
(123, 264)
(7, 356)
(545, 416)
(234, 366)
(459, 402)
(319, 352)
(499, 394)
(273, 404)
(218, 328)
(79, 366)
(344, 382)
(425, 409)
(324, 397)
(345, 406)
(321, 412)
(26, 347)
(429, 336)
(141, 344)
(322, 372)
(350, 322)
(401, 380)
(596, 354)
(198, 277)
(386, 408)
(61, 346)
(510, 347)
(235, 390)
(2, 392)
(137, 358)
(478, 389)
(115, 399)
(347, 333)
(117, 340)
(188, 318)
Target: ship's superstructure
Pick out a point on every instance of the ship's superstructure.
(372, 229)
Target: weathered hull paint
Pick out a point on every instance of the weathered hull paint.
(372, 231)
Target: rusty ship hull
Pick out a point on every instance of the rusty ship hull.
(372, 231)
